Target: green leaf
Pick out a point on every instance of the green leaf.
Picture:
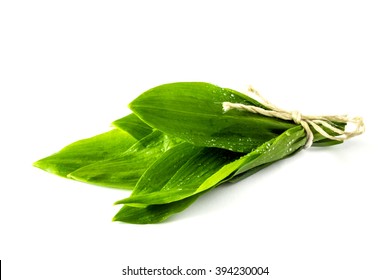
(283, 146)
(276, 149)
(193, 112)
(206, 168)
(162, 170)
(134, 126)
(125, 170)
(236, 178)
(87, 151)
(178, 173)
(262, 157)
(152, 214)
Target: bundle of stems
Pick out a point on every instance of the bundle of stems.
(184, 139)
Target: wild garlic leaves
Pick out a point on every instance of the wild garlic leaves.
(193, 112)
(176, 146)
(87, 151)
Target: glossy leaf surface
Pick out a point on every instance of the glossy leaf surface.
(179, 173)
(207, 168)
(134, 126)
(124, 170)
(193, 112)
(151, 214)
(87, 151)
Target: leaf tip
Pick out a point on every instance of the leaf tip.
(118, 202)
(115, 219)
(37, 163)
(45, 165)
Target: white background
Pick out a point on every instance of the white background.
(69, 68)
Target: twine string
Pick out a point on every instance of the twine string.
(308, 122)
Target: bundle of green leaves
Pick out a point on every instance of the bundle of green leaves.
(177, 144)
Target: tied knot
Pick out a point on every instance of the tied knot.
(296, 116)
(318, 123)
